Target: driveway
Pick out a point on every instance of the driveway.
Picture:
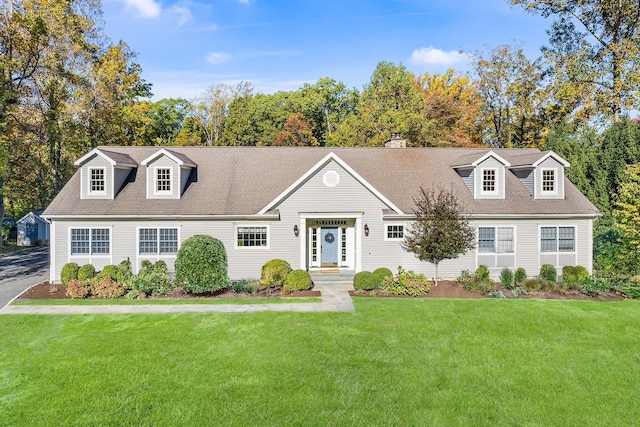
(18, 272)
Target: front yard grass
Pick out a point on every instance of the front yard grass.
(168, 301)
(392, 362)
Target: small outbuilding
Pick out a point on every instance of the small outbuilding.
(32, 229)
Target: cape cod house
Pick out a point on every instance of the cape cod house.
(318, 208)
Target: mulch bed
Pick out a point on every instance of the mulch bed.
(445, 289)
(45, 290)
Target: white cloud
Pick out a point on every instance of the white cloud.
(183, 14)
(432, 56)
(146, 8)
(217, 57)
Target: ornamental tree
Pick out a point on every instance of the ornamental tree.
(441, 231)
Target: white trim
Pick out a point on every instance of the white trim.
(265, 217)
(157, 192)
(496, 182)
(556, 157)
(387, 224)
(157, 256)
(495, 253)
(90, 154)
(90, 255)
(558, 252)
(556, 180)
(235, 237)
(104, 174)
(324, 161)
(165, 152)
(484, 157)
(52, 253)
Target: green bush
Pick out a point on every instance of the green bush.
(151, 280)
(406, 282)
(520, 276)
(474, 283)
(274, 272)
(106, 287)
(537, 284)
(86, 272)
(78, 290)
(161, 267)
(483, 273)
(123, 272)
(549, 273)
(109, 271)
(365, 281)
(572, 276)
(245, 285)
(69, 272)
(146, 265)
(297, 280)
(201, 264)
(381, 273)
(631, 289)
(506, 278)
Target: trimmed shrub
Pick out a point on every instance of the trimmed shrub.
(365, 281)
(631, 289)
(506, 278)
(106, 287)
(78, 290)
(146, 265)
(572, 276)
(201, 265)
(123, 272)
(520, 276)
(69, 272)
(245, 285)
(549, 273)
(593, 286)
(406, 282)
(151, 281)
(381, 273)
(86, 272)
(274, 272)
(109, 271)
(483, 273)
(297, 280)
(161, 267)
(473, 282)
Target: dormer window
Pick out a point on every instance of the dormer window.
(489, 181)
(97, 181)
(163, 181)
(549, 181)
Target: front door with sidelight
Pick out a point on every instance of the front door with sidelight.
(329, 246)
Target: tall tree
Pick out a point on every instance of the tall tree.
(627, 216)
(594, 52)
(440, 231)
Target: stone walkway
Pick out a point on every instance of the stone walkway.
(335, 297)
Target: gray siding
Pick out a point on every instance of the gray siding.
(184, 178)
(526, 177)
(550, 163)
(467, 176)
(120, 178)
(490, 163)
(96, 162)
(163, 162)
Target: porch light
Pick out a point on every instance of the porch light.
(296, 230)
(366, 229)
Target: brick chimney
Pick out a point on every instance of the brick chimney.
(396, 141)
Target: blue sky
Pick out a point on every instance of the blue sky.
(186, 46)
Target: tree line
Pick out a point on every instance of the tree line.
(66, 88)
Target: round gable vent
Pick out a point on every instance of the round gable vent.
(331, 178)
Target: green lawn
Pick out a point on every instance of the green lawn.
(168, 301)
(404, 362)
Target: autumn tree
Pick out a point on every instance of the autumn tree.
(594, 49)
(441, 230)
(297, 131)
(627, 216)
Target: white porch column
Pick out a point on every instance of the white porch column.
(302, 233)
(358, 248)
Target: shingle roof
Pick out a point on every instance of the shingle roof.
(244, 180)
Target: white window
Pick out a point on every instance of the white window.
(157, 241)
(557, 239)
(163, 180)
(395, 232)
(94, 241)
(549, 181)
(495, 240)
(252, 236)
(97, 181)
(489, 177)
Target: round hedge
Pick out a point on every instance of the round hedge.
(365, 281)
(549, 273)
(86, 272)
(297, 280)
(274, 272)
(201, 265)
(69, 272)
(109, 271)
(381, 273)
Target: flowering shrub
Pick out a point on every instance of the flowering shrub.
(108, 288)
(76, 289)
(406, 282)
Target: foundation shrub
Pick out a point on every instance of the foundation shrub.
(274, 272)
(631, 289)
(381, 273)
(506, 278)
(519, 276)
(109, 271)
(86, 272)
(406, 282)
(572, 276)
(123, 272)
(69, 272)
(77, 289)
(201, 265)
(594, 285)
(478, 283)
(365, 281)
(106, 287)
(245, 286)
(151, 280)
(483, 273)
(297, 280)
(549, 273)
